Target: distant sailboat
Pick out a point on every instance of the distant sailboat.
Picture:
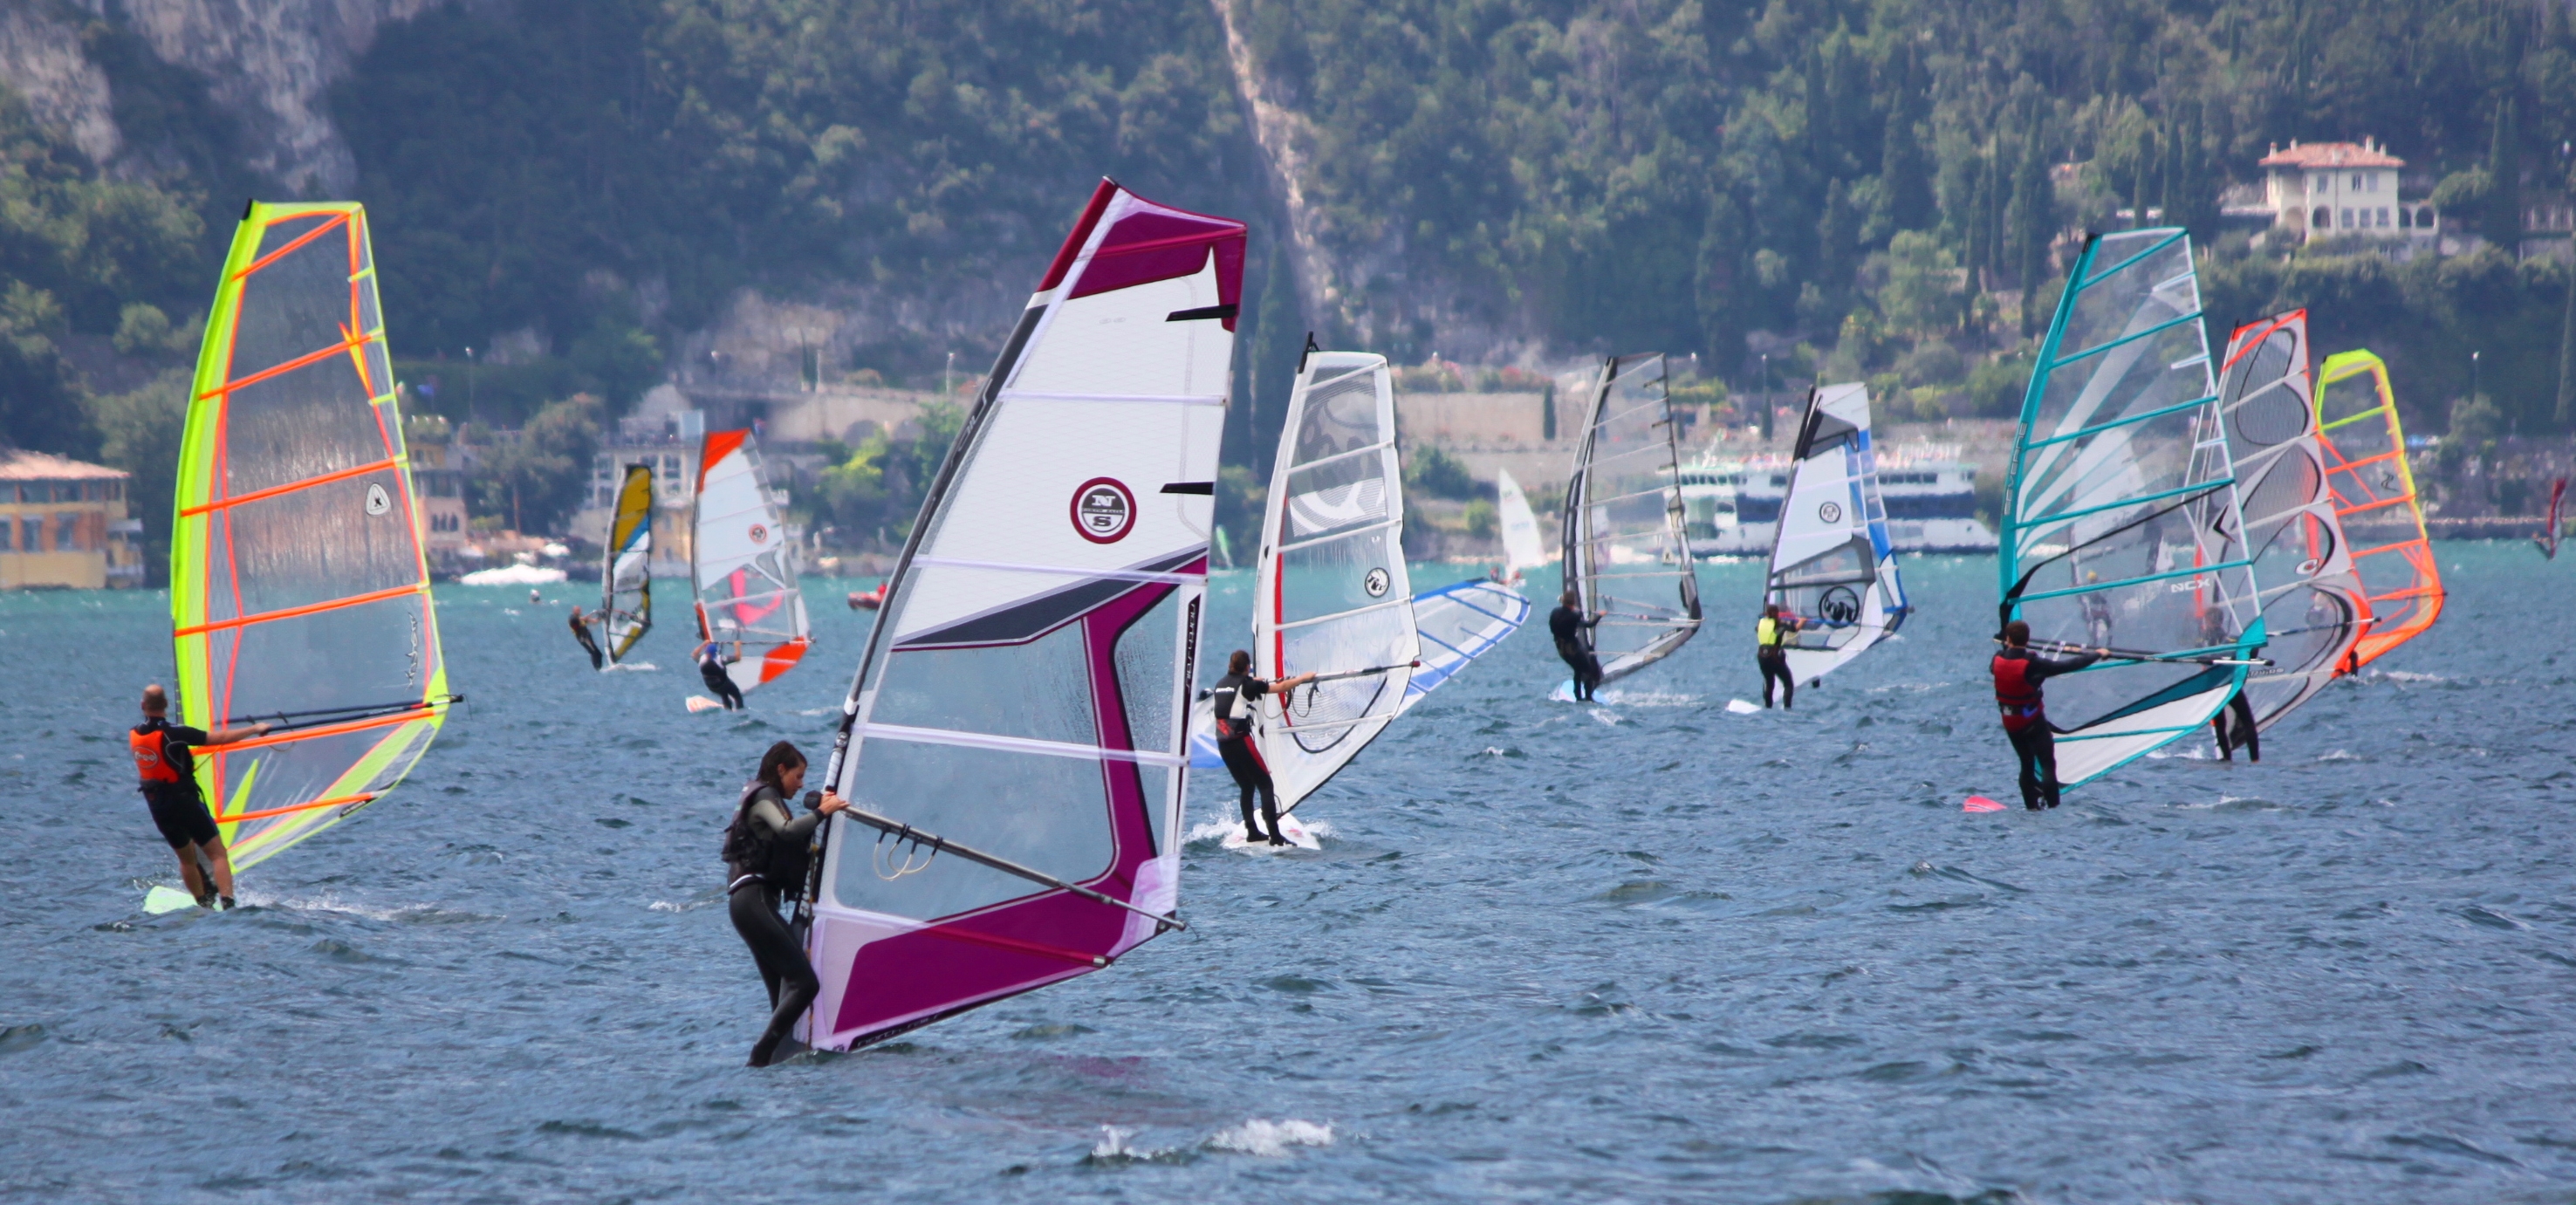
(1831, 565)
(1012, 742)
(1626, 556)
(744, 567)
(2548, 537)
(299, 593)
(626, 569)
(1522, 548)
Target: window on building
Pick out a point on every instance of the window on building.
(8, 535)
(2347, 219)
(28, 532)
(2405, 219)
(2322, 219)
(2383, 218)
(2356, 181)
(2424, 218)
(67, 532)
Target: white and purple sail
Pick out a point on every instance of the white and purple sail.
(1013, 739)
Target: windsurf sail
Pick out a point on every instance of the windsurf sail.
(1522, 548)
(745, 567)
(1012, 741)
(1457, 624)
(2375, 500)
(2548, 537)
(2122, 527)
(1331, 593)
(2311, 600)
(626, 573)
(298, 590)
(1625, 554)
(1831, 566)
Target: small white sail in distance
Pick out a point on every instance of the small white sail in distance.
(1522, 548)
(1332, 596)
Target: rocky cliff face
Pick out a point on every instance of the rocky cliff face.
(268, 61)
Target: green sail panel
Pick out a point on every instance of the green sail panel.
(2123, 527)
(299, 594)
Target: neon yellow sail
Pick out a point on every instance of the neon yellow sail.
(2375, 498)
(299, 594)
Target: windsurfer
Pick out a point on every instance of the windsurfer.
(1567, 623)
(169, 772)
(2097, 610)
(1234, 694)
(766, 852)
(1771, 635)
(581, 622)
(2018, 673)
(712, 661)
(2213, 634)
(868, 600)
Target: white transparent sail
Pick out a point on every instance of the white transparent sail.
(1522, 548)
(2312, 600)
(1831, 567)
(1332, 596)
(1625, 553)
(744, 566)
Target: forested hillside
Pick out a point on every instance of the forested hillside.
(1861, 188)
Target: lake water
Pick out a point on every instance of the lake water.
(1648, 951)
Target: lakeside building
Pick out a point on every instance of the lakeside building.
(63, 524)
(2325, 189)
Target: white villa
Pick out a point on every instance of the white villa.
(2322, 189)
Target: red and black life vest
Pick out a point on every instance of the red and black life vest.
(2016, 692)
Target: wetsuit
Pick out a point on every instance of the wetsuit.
(1770, 638)
(2242, 732)
(2018, 673)
(169, 775)
(766, 853)
(711, 670)
(1234, 695)
(581, 632)
(1568, 626)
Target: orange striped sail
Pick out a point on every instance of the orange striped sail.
(299, 593)
(2374, 497)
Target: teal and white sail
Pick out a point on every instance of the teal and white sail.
(2123, 528)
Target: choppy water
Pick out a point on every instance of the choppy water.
(1653, 951)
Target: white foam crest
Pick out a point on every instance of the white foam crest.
(1228, 834)
(1271, 1139)
(2406, 675)
(331, 903)
(1647, 698)
(1113, 1147)
(632, 667)
(1610, 718)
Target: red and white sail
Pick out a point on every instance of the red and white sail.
(744, 565)
(1023, 694)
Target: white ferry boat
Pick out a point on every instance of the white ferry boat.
(1732, 507)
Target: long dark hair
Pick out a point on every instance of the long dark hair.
(781, 758)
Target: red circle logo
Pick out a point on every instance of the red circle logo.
(1104, 510)
(759, 533)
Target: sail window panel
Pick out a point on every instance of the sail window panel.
(1340, 417)
(320, 543)
(284, 231)
(1040, 689)
(2137, 615)
(2305, 631)
(1335, 496)
(298, 425)
(1369, 640)
(1050, 814)
(379, 654)
(1334, 576)
(296, 305)
(1118, 343)
(1847, 563)
(1147, 659)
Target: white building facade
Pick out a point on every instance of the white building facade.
(2329, 189)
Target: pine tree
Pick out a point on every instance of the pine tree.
(2142, 195)
(1720, 284)
(2031, 220)
(1904, 171)
(1837, 245)
(2503, 219)
(1276, 345)
(2567, 355)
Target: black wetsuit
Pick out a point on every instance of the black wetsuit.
(1568, 626)
(1234, 695)
(765, 857)
(2242, 732)
(178, 807)
(581, 632)
(1772, 656)
(711, 670)
(2025, 717)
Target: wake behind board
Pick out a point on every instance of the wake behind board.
(1299, 837)
(701, 703)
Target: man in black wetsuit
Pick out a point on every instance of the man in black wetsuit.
(711, 670)
(1569, 625)
(2018, 673)
(581, 632)
(2213, 633)
(169, 773)
(1771, 635)
(1234, 696)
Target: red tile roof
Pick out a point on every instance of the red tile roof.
(2331, 154)
(17, 465)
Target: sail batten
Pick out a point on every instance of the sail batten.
(2123, 526)
(1623, 521)
(300, 590)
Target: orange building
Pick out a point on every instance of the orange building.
(63, 524)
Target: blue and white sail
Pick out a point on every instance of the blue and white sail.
(2123, 528)
(1831, 564)
(1459, 623)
